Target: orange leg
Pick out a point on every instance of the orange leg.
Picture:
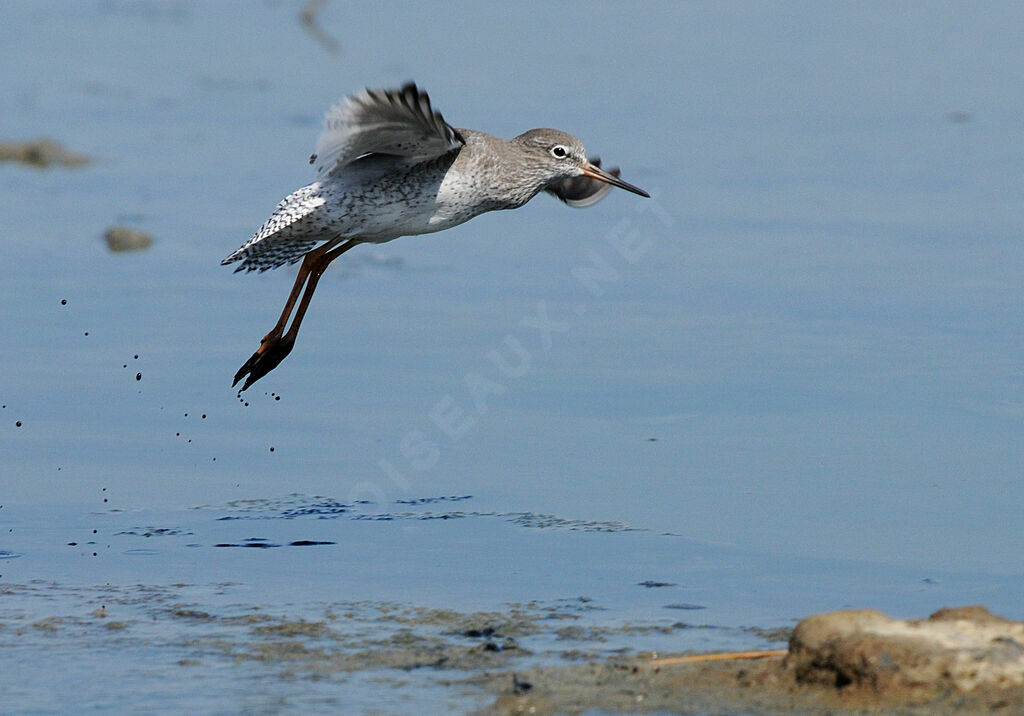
(300, 280)
(277, 344)
(315, 271)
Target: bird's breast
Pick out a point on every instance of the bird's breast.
(421, 199)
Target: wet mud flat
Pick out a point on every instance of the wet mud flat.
(127, 646)
(261, 604)
(537, 658)
(736, 687)
(443, 604)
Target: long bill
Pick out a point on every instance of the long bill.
(600, 174)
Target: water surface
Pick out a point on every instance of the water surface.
(797, 382)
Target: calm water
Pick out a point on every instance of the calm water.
(799, 371)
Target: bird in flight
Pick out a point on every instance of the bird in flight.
(389, 165)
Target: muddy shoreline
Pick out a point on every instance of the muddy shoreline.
(729, 687)
(962, 660)
(558, 657)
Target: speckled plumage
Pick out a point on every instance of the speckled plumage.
(388, 165)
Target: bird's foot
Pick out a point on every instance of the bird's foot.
(267, 357)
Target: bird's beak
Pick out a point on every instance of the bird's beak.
(601, 175)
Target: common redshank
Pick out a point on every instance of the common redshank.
(388, 165)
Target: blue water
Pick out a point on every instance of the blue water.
(802, 356)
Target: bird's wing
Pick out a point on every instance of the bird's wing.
(397, 122)
(582, 191)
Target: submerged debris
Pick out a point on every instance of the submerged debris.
(308, 19)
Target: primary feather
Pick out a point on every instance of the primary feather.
(401, 123)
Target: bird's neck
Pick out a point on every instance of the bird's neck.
(500, 175)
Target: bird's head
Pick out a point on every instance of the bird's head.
(556, 156)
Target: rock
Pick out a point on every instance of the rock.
(121, 238)
(952, 650)
(40, 153)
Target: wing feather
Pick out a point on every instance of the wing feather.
(582, 191)
(397, 122)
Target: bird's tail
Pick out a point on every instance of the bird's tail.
(290, 233)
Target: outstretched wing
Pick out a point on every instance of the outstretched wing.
(398, 122)
(582, 191)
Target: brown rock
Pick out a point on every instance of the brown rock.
(121, 238)
(40, 153)
(953, 650)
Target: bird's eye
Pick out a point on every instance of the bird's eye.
(559, 152)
